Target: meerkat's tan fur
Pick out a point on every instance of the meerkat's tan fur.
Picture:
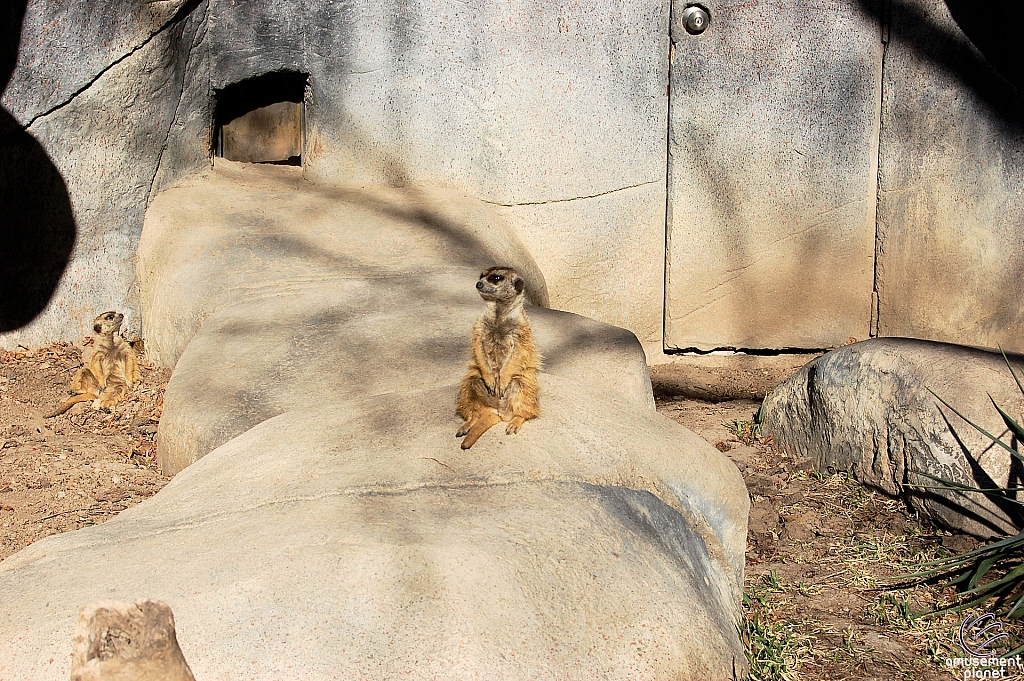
(501, 384)
(110, 371)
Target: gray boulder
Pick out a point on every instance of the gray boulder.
(866, 409)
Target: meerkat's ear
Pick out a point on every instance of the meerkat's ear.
(519, 284)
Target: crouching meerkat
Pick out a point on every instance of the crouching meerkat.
(110, 371)
(501, 384)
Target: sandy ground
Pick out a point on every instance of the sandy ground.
(821, 554)
(77, 469)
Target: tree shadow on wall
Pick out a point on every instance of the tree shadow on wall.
(37, 228)
(993, 72)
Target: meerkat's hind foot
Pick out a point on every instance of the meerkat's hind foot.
(513, 426)
(480, 426)
(464, 428)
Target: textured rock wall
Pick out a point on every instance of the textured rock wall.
(91, 125)
(555, 114)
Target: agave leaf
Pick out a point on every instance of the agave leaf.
(957, 607)
(1012, 372)
(1005, 546)
(960, 487)
(1020, 601)
(1008, 420)
(964, 488)
(983, 567)
(1000, 584)
(970, 568)
(978, 428)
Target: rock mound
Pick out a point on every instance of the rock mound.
(867, 409)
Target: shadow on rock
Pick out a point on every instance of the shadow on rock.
(37, 228)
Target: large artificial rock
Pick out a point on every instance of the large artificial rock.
(247, 232)
(869, 409)
(306, 280)
(338, 530)
(357, 540)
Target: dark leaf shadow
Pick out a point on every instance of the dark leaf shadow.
(37, 227)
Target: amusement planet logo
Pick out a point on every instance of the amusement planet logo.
(978, 634)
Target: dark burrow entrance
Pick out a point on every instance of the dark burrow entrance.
(262, 119)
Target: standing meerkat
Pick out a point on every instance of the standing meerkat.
(111, 369)
(501, 384)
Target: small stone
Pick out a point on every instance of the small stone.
(117, 640)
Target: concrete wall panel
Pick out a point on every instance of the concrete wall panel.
(951, 196)
(773, 151)
(617, 258)
(528, 104)
(521, 103)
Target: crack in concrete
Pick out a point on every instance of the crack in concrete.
(197, 38)
(694, 517)
(574, 198)
(183, 12)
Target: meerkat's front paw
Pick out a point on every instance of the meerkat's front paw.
(463, 429)
(513, 426)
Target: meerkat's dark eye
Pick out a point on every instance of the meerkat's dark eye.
(495, 278)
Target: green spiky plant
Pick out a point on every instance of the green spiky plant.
(1003, 557)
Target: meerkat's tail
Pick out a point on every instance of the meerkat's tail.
(68, 403)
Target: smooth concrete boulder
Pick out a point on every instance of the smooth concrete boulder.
(244, 232)
(299, 295)
(340, 531)
(866, 409)
(356, 540)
